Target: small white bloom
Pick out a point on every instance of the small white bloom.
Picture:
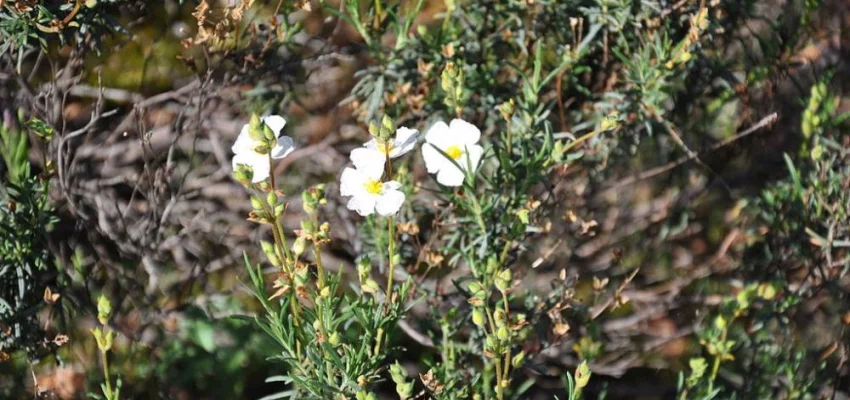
(458, 141)
(246, 148)
(403, 142)
(363, 184)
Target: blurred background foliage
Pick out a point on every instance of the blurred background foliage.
(696, 248)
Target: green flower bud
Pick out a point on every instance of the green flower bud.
(299, 246)
(387, 128)
(518, 359)
(268, 133)
(369, 286)
(255, 128)
(478, 317)
(503, 280)
(361, 395)
(257, 204)
(270, 252)
(582, 375)
(404, 390)
(502, 334)
(398, 373)
(271, 198)
(500, 317)
(104, 309)
(243, 174)
(334, 339)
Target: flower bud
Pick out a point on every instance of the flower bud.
(518, 359)
(255, 127)
(256, 203)
(334, 339)
(270, 252)
(500, 317)
(478, 317)
(503, 280)
(582, 375)
(299, 246)
(104, 309)
(398, 373)
(502, 334)
(243, 174)
(268, 133)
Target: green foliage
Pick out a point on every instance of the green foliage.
(26, 217)
(25, 24)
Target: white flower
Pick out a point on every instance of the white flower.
(253, 152)
(404, 141)
(458, 141)
(363, 184)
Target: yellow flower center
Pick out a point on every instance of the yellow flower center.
(454, 152)
(373, 186)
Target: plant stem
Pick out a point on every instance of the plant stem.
(476, 208)
(105, 362)
(508, 353)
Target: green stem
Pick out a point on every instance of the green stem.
(478, 211)
(715, 368)
(508, 353)
(106, 378)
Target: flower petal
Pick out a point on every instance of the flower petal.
(244, 142)
(434, 160)
(390, 202)
(439, 135)
(392, 185)
(364, 205)
(405, 140)
(259, 164)
(450, 175)
(351, 182)
(473, 157)
(369, 161)
(276, 123)
(284, 146)
(463, 132)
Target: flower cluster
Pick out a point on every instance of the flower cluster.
(258, 143)
(451, 152)
(364, 183)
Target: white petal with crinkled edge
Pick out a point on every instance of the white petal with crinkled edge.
(244, 142)
(369, 161)
(363, 205)
(276, 123)
(259, 164)
(352, 182)
(463, 132)
(434, 160)
(284, 146)
(390, 201)
(450, 175)
(405, 141)
(439, 135)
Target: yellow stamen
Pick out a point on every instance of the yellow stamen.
(454, 152)
(373, 186)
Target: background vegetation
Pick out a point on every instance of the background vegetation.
(667, 184)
